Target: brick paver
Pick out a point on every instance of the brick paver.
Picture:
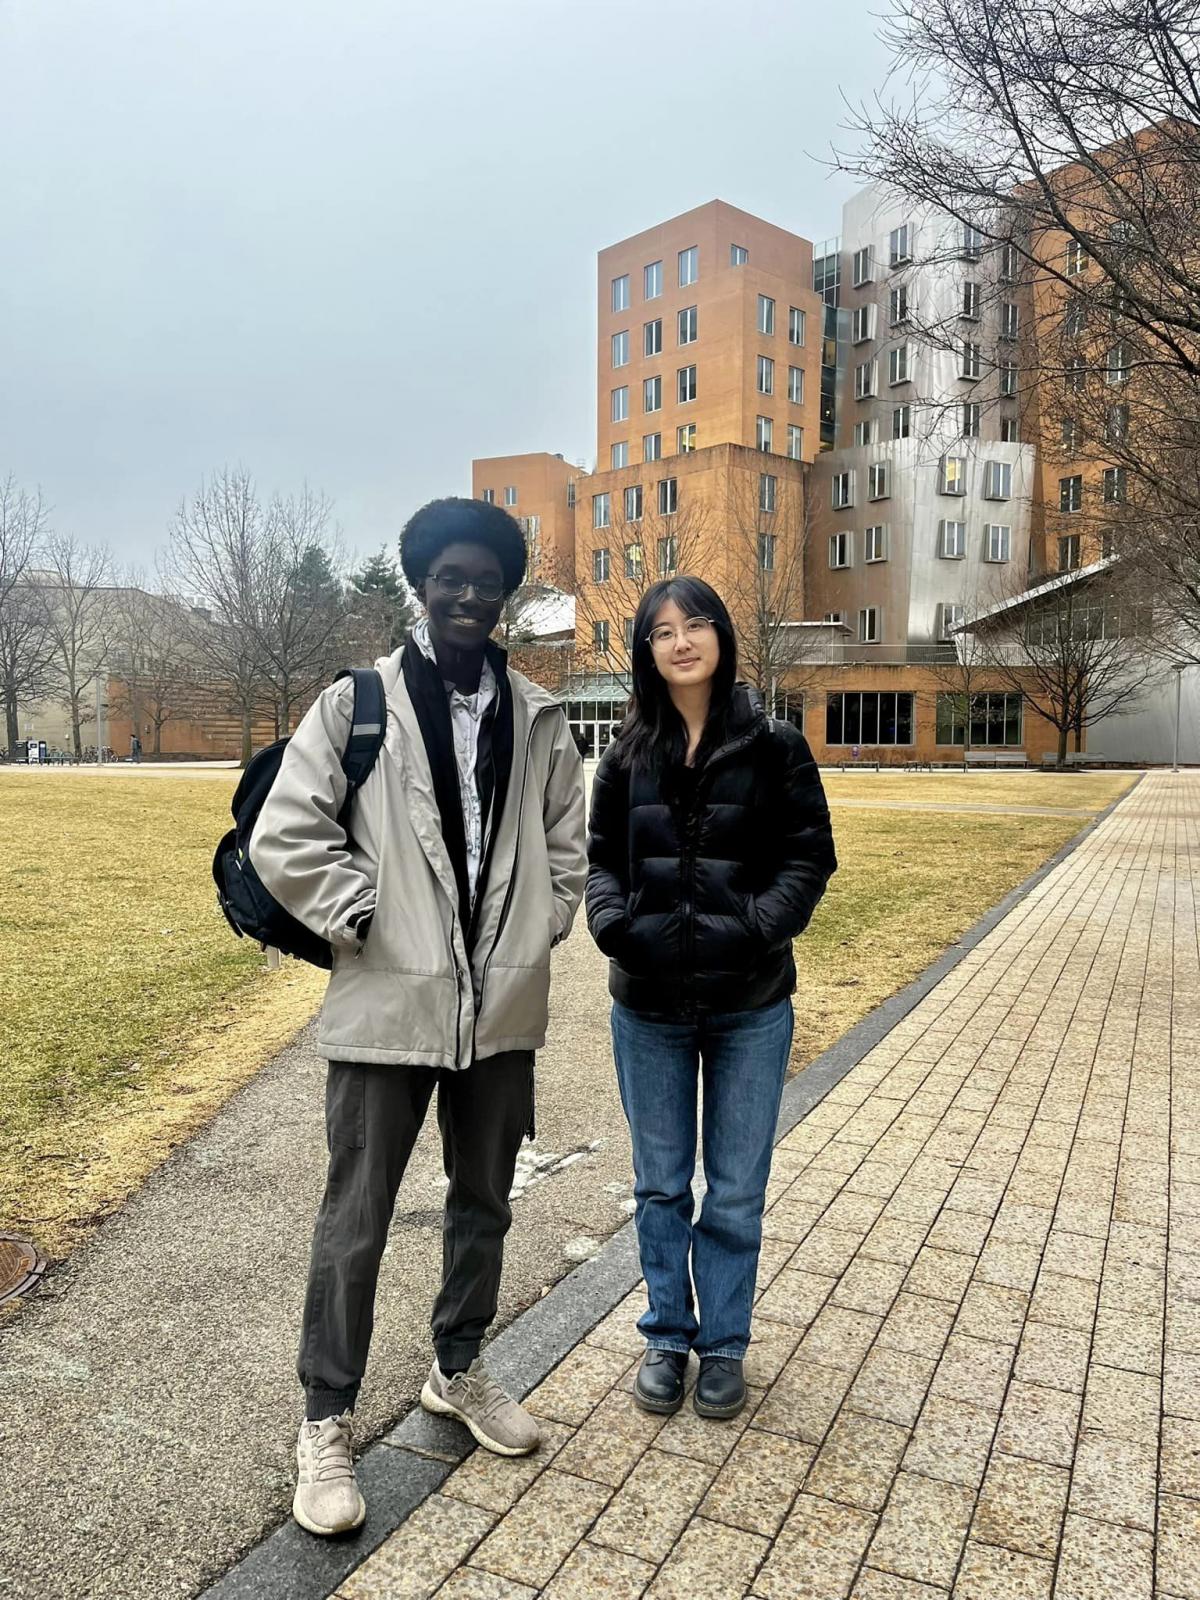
(977, 1332)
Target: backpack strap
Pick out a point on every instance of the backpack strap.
(368, 725)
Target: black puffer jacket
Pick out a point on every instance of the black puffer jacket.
(696, 901)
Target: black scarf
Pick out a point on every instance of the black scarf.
(427, 691)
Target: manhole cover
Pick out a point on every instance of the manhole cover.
(21, 1266)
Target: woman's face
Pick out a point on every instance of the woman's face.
(686, 649)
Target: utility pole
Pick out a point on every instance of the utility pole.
(1178, 697)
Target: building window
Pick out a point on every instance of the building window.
(796, 385)
(866, 718)
(949, 617)
(668, 496)
(1008, 263)
(685, 385)
(898, 305)
(668, 555)
(652, 447)
(863, 268)
(865, 380)
(795, 441)
(862, 324)
(972, 360)
(868, 625)
(685, 438)
(842, 490)
(489, 497)
(952, 540)
(1008, 378)
(994, 719)
(997, 541)
(633, 503)
(766, 552)
(1070, 493)
(689, 266)
(764, 433)
(633, 562)
(620, 293)
(571, 494)
(689, 325)
(738, 255)
(620, 349)
(600, 565)
(971, 300)
(1075, 316)
(652, 280)
(766, 375)
(1009, 433)
(970, 246)
(864, 432)
(652, 394)
(1010, 320)
(618, 406)
(600, 511)
(1116, 424)
(997, 480)
(1074, 374)
(953, 476)
(600, 637)
(1068, 552)
(795, 325)
(1117, 366)
(877, 481)
(628, 632)
(652, 337)
(899, 365)
(901, 422)
(837, 618)
(900, 245)
(970, 416)
(768, 484)
(839, 550)
(1114, 486)
(875, 543)
(1076, 258)
(766, 314)
(618, 455)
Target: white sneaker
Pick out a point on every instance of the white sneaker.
(496, 1420)
(327, 1498)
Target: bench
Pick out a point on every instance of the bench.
(993, 758)
(1078, 758)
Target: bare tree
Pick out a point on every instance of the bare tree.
(151, 637)
(1078, 647)
(27, 650)
(220, 549)
(644, 544)
(77, 591)
(299, 611)
(1061, 140)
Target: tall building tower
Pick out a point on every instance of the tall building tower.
(539, 490)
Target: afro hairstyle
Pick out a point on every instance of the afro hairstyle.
(457, 521)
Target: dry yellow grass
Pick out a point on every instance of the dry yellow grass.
(1067, 791)
(130, 1011)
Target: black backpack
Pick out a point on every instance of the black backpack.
(250, 909)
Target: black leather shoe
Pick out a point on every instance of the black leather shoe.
(659, 1383)
(720, 1388)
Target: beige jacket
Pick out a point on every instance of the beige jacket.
(408, 993)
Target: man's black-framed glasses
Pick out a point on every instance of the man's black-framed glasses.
(454, 585)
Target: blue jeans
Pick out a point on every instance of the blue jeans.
(742, 1057)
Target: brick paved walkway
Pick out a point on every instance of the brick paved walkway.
(976, 1366)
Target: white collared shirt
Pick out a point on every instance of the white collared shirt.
(466, 718)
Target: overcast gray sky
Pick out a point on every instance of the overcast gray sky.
(355, 242)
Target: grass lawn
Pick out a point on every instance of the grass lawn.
(1069, 791)
(130, 1011)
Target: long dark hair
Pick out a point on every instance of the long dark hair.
(653, 734)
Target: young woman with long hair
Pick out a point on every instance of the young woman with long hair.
(710, 847)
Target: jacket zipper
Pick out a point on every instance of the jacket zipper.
(512, 876)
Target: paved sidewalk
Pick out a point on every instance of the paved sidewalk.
(976, 1366)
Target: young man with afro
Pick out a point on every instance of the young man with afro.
(462, 863)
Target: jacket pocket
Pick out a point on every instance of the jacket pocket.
(346, 1105)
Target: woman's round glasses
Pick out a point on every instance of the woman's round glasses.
(664, 636)
(453, 584)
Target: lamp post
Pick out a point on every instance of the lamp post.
(1178, 697)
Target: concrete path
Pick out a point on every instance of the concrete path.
(976, 1367)
(148, 1405)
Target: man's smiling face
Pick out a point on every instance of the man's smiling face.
(463, 621)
